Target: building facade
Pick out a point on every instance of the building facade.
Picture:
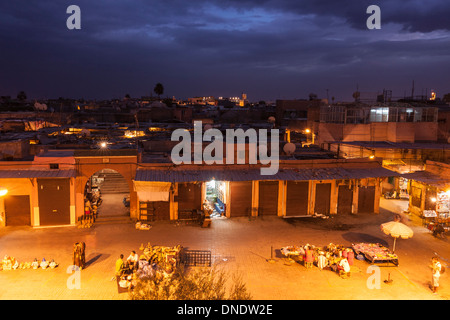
(51, 189)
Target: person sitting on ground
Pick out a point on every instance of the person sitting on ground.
(119, 267)
(133, 260)
(344, 268)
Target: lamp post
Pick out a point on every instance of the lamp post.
(309, 131)
(3, 192)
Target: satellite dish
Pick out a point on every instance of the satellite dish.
(289, 148)
(271, 119)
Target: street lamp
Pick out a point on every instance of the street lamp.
(3, 191)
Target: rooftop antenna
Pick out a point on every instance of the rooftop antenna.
(412, 91)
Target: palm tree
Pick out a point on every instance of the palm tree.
(159, 89)
(22, 96)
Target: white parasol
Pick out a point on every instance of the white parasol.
(397, 230)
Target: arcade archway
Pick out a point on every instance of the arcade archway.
(107, 194)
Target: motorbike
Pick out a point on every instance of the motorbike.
(391, 195)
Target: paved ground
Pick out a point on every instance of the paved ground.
(238, 246)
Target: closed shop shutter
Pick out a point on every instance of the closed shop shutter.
(322, 199)
(54, 201)
(345, 199)
(17, 210)
(268, 198)
(297, 198)
(154, 210)
(240, 198)
(366, 199)
(189, 196)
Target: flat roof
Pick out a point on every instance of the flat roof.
(395, 145)
(30, 173)
(177, 175)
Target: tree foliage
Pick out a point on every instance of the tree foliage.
(159, 89)
(199, 284)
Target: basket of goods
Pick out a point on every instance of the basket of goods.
(53, 264)
(35, 264)
(43, 264)
(8, 262)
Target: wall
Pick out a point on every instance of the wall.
(378, 131)
(426, 131)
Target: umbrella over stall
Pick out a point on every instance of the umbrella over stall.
(397, 230)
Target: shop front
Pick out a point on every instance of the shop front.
(37, 197)
(430, 199)
(244, 192)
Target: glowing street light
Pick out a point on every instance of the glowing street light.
(3, 192)
(103, 145)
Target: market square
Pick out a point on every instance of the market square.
(237, 245)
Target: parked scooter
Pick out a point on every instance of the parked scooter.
(439, 230)
(391, 195)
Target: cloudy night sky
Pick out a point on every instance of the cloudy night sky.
(283, 49)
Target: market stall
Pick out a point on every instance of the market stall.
(440, 217)
(443, 205)
(293, 253)
(154, 261)
(375, 253)
(332, 257)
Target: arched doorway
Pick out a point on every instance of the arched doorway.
(109, 193)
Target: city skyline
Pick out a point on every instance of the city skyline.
(267, 49)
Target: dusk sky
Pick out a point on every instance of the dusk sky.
(283, 49)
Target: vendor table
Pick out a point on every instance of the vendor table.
(292, 253)
(375, 253)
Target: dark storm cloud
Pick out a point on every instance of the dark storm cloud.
(270, 49)
(414, 15)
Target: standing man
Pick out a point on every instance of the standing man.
(436, 272)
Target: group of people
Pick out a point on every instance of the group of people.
(134, 263)
(336, 258)
(153, 262)
(133, 268)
